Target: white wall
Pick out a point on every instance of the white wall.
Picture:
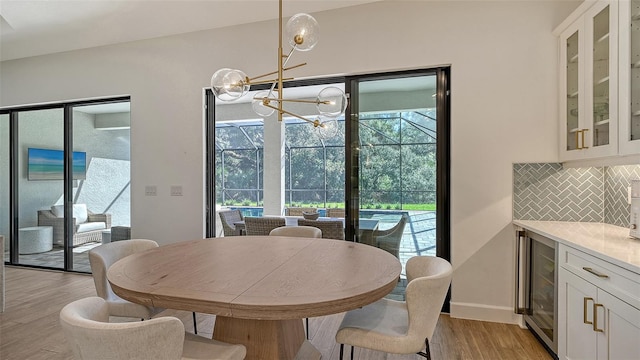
(504, 109)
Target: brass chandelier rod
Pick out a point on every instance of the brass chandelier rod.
(280, 57)
(273, 73)
(302, 32)
(315, 123)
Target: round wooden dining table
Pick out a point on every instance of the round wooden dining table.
(259, 287)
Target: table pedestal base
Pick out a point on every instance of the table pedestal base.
(266, 339)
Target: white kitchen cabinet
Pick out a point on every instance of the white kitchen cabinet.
(599, 307)
(629, 72)
(623, 324)
(577, 338)
(589, 83)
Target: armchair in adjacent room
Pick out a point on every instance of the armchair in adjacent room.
(87, 226)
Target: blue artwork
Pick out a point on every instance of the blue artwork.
(45, 164)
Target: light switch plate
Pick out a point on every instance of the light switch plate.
(176, 190)
(150, 190)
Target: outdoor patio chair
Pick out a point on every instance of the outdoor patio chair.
(331, 229)
(262, 225)
(228, 218)
(389, 240)
(336, 213)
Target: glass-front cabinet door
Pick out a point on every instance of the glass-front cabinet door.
(589, 61)
(599, 78)
(630, 77)
(573, 97)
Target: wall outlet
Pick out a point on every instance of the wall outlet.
(176, 190)
(150, 190)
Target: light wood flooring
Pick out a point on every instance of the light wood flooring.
(29, 326)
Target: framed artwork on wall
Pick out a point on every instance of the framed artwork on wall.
(47, 164)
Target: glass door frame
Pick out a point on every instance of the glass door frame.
(443, 155)
(14, 151)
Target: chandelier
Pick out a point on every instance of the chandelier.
(302, 34)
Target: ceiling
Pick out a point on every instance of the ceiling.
(31, 28)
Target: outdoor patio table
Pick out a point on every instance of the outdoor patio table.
(260, 288)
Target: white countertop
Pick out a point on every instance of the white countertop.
(608, 242)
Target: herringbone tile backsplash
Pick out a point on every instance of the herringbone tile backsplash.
(617, 180)
(546, 191)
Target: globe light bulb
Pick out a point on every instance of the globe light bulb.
(326, 127)
(260, 99)
(302, 32)
(331, 101)
(229, 84)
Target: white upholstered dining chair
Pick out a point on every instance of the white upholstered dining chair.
(297, 231)
(400, 327)
(86, 326)
(101, 258)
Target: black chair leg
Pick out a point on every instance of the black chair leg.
(427, 351)
(341, 350)
(352, 351)
(195, 327)
(307, 321)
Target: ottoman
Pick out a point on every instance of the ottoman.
(35, 239)
(120, 233)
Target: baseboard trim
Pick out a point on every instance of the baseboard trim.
(499, 314)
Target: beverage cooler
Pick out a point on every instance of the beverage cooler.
(536, 277)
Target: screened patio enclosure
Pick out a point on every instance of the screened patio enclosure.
(398, 171)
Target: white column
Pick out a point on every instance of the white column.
(274, 162)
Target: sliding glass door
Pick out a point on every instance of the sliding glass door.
(387, 166)
(397, 162)
(101, 183)
(40, 144)
(65, 183)
(5, 170)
